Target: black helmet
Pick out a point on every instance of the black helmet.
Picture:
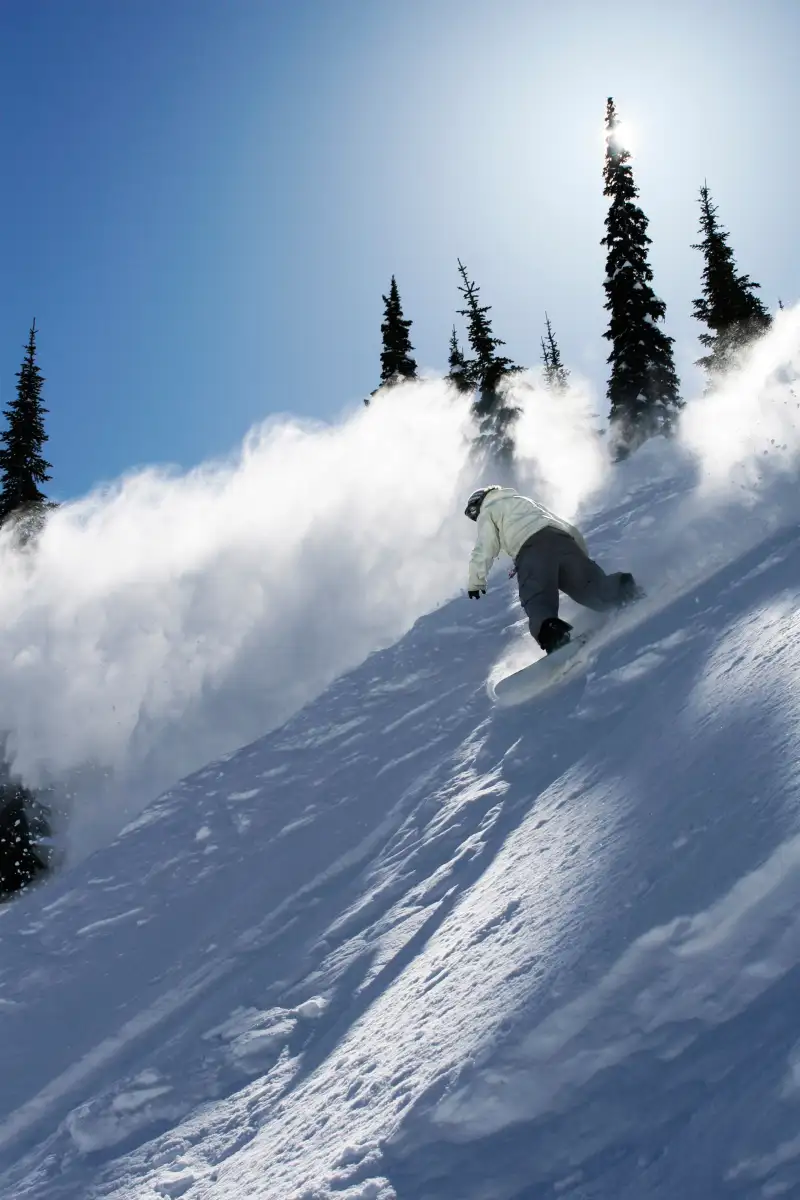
(476, 500)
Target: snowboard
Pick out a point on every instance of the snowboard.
(551, 670)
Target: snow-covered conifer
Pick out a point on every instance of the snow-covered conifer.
(643, 389)
(23, 468)
(494, 413)
(461, 372)
(729, 308)
(556, 375)
(396, 361)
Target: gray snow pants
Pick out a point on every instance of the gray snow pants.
(552, 561)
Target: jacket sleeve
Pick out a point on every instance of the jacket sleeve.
(487, 548)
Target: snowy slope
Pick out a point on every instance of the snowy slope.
(413, 946)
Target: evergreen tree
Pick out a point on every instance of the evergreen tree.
(396, 360)
(556, 375)
(729, 308)
(493, 411)
(22, 823)
(22, 465)
(461, 371)
(643, 389)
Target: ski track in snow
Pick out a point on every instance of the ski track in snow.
(410, 946)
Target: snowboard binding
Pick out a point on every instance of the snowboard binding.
(553, 634)
(629, 590)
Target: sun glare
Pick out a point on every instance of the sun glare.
(624, 136)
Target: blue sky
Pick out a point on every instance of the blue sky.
(205, 198)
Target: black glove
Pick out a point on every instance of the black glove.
(476, 595)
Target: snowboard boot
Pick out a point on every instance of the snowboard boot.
(553, 634)
(629, 590)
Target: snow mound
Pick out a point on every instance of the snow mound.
(410, 946)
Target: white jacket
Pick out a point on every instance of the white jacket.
(506, 521)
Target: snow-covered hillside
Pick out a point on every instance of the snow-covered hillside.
(413, 946)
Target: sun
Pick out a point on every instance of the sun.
(624, 136)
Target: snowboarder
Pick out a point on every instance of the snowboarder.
(549, 555)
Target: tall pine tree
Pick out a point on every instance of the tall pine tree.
(556, 375)
(396, 360)
(461, 371)
(729, 308)
(22, 466)
(493, 411)
(23, 822)
(643, 389)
